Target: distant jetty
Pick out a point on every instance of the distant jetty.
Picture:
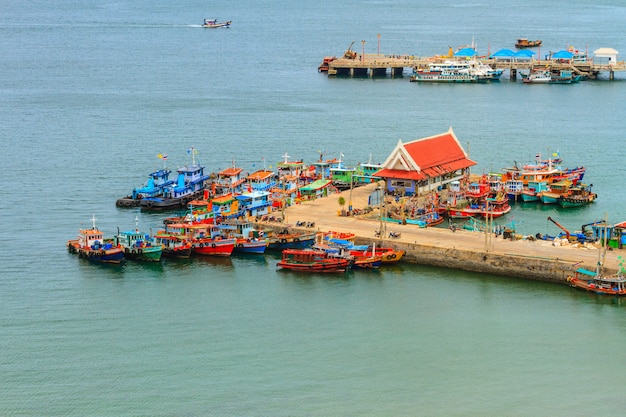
(353, 63)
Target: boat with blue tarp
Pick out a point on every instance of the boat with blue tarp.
(189, 185)
(91, 245)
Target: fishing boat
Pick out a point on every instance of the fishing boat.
(174, 245)
(387, 255)
(522, 43)
(189, 185)
(157, 182)
(556, 191)
(91, 245)
(597, 281)
(309, 260)
(247, 238)
(577, 196)
(532, 192)
(139, 246)
(600, 284)
(213, 23)
(289, 239)
(205, 238)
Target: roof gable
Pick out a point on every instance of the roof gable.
(428, 157)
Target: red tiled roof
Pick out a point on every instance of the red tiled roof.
(435, 156)
(400, 174)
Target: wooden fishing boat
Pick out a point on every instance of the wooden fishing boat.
(139, 246)
(247, 238)
(526, 43)
(597, 283)
(289, 239)
(92, 246)
(387, 255)
(309, 260)
(577, 196)
(174, 245)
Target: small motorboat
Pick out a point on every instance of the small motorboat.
(213, 23)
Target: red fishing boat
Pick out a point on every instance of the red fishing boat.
(309, 260)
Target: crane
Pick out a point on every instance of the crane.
(350, 54)
(560, 227)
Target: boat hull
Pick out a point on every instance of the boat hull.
(568, 202)
(280, 243)
(150, 254)
(324, 265)
(113, 255)
(222, 247)
(258, 247)
(596, 287)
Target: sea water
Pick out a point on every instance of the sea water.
(92, 93)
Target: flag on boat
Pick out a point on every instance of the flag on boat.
(162, 156)
(192, 151)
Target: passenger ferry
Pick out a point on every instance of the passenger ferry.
(456, 71)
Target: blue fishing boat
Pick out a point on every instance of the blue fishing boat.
(248, 239)
(189, 186)
(157, 182)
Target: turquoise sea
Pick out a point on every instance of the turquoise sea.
(91, 92)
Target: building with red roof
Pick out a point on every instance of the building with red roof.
(424, 165)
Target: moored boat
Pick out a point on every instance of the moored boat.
(157, 182)
(247, 238)
(309, 260)
(92, 246)
(174, 246)
(189, 186)
(139, 246)
(289, 239)
(597, 283)
(577, 196)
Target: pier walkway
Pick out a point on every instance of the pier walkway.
(464, 250)
(380, 65)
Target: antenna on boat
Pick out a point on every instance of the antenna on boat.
(136, 224)
(286, 156)
(93, 222)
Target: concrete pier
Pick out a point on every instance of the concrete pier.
(379, 65)
(464, 250)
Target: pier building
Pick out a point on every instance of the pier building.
(424, 165)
